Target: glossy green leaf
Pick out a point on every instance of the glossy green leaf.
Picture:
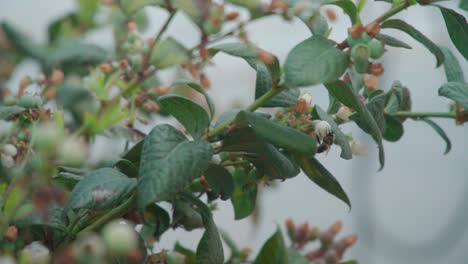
(452, 67)
(348, 7)
(273, 251)
(340, 137)
(192, 116)
(198, 88)
(393, 129)
(313, 61)
(6, 112)
(278, 134)
(455, 91)
(392, 42)
(417, 35)
(101, 189)
(127, 167)
(244, 197)
(348, 97)
(440, 132)
(169, 162)
(168, 53)
(264, 156)
(457, 29)
(134, 154)
(220, 180)
(322, 177)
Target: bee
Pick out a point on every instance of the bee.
(327, 142)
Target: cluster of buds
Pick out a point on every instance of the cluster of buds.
(298, 116)
(135, 47)
(365, 46)
(330, 251)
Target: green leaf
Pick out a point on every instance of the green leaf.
(101, 189)
(23, 44)
(210, 247)
(393, 129)
(134, 154)
(393, 42)
(220, 180)
(53, 217)
(452, 67)
(127, 167)
(267, 75)
(67, 179)
(157, 218)
(295, 257)
(457, 29)
(340, 137)
(440, 132)
(244, 197)
(70, 55)
(193, 8)
(348, 97)
(417, 35)
(198, 88)
(87, 9)
(376, 107)
(168, 164)
(455, 91)
(168, 53)
(6, 112)
(278, 134)
(463, 5)
(313, 61)
(192, 116)
(130, 7)
(322, 177)
(348, 7)
(186, 216)
(264, 156)
(273, 251)
(349, 262)
(316, 23)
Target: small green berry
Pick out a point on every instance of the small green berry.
(376, 49)
(121, 239)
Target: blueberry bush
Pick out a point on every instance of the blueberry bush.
(57, 204)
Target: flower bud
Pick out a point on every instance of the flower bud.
(344, 113)
(371, 83)
(331, 15)
(303, 104)
(35, 253)
(356, 31)
(376, 69)
(56, 77)
(204, 81)
(9, 150)
(373, 29)
(322, 128)
(106, 68)
(162, 89)
(23, 84)
(232, 15)
(11, 234)
(121, 239)
(358, 148)
(266, 57)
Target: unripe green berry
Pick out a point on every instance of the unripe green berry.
(121, 239)
(29, 101)
(73, 152)
(360, 55)
(365, 38)
(46, 135)
(9, 100)
(376, 49)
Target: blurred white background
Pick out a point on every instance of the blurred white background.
(414, 211)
